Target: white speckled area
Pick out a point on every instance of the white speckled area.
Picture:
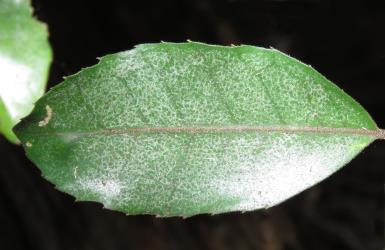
(144, 131)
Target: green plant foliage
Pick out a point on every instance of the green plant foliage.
(183, 129)
(25, 56)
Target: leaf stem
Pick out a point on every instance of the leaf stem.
(381, 134)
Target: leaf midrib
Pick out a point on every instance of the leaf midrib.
(375, 133)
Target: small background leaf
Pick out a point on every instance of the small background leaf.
(183, 129)
(25, 56)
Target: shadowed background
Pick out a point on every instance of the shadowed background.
(344, 41)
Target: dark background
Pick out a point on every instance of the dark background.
(343, 40)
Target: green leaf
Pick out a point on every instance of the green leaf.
(25, 56)
(183, 129)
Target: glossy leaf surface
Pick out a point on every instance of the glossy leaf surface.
(25, 56)
(182, 129)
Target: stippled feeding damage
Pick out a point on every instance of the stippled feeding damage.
(184, 129)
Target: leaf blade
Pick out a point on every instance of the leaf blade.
(25, 56)
(118, 130)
